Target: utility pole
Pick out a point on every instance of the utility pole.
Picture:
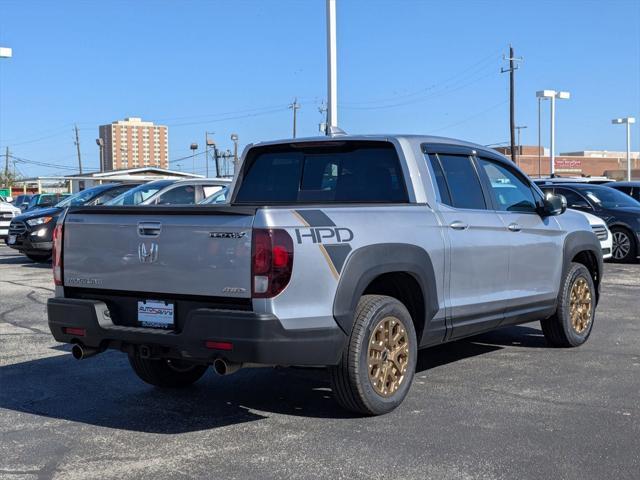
(294, 106)
(6, 167)
(77, 142)
(513, 66)
(519, 128)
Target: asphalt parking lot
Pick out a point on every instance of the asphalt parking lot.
(499, 405)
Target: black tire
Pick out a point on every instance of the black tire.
(350, 379)
(624, 247)
(560, 329)
(166, 373)
(39, 257)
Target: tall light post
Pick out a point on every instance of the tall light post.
(100, 143)
(193, 147)
(207, 143)
(628, 121)
(539, 140)
(552, 95)
(234, 139)
(6, 52)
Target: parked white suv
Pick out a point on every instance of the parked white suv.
(603, 233)
(7, 212)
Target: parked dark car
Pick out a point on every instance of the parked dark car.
(630, 188)
(32, 232)
(22, 201)
(620, 211)
(44, 200)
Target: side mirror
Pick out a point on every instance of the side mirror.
(9, 199)
(553, 205)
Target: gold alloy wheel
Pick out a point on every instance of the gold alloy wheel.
(580, 305)
(388, 356)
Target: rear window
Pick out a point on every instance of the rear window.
(339, 172)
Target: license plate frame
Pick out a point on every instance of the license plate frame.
(156, 314)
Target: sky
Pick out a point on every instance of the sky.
(225, 66)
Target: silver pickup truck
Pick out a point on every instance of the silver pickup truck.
(350, 252)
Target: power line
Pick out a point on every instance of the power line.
(471, 117)
(435, 86)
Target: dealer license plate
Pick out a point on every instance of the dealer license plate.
(155, 313)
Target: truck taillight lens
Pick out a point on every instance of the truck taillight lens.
(57, 254)
(271, 261)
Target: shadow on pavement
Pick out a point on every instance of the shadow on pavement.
(103, 391)
(23, 261)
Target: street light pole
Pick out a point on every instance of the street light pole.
(234, 139)
(628, 121)
(552, 95)
(100, 143)
(539, 141)
(194, 148)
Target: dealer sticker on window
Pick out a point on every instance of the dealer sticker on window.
(155, 313)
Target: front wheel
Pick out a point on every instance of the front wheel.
(378, 363)
(572, 323)
(165, 372)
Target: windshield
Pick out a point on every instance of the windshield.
(606, 197)
(80, 198)
(137, 195)
(218, 197)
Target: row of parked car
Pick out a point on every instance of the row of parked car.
(617, 204)
(31, 231)
(613, 210)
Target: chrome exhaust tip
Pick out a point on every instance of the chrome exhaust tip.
(222, 367)
(81, 352)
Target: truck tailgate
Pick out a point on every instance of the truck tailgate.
(187, 252)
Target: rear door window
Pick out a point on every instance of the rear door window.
(463, 187)
(182, 195)
(325, 172)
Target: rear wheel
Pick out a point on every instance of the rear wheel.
(39, 257)
(571, 325)
(378, 363)
(165, 372)
(623, 245)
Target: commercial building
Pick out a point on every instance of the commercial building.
(132, 143)
(588, 163)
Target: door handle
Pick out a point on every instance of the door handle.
(458, 225)
(149, 229)
(514, 227)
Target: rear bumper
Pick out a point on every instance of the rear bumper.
(256, 338)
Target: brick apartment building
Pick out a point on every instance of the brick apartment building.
(592, 163)
(132, 143)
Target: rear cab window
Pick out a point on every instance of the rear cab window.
(458, 182)
(323, 172)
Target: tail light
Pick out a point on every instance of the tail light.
(271, 262)
(57, 254)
